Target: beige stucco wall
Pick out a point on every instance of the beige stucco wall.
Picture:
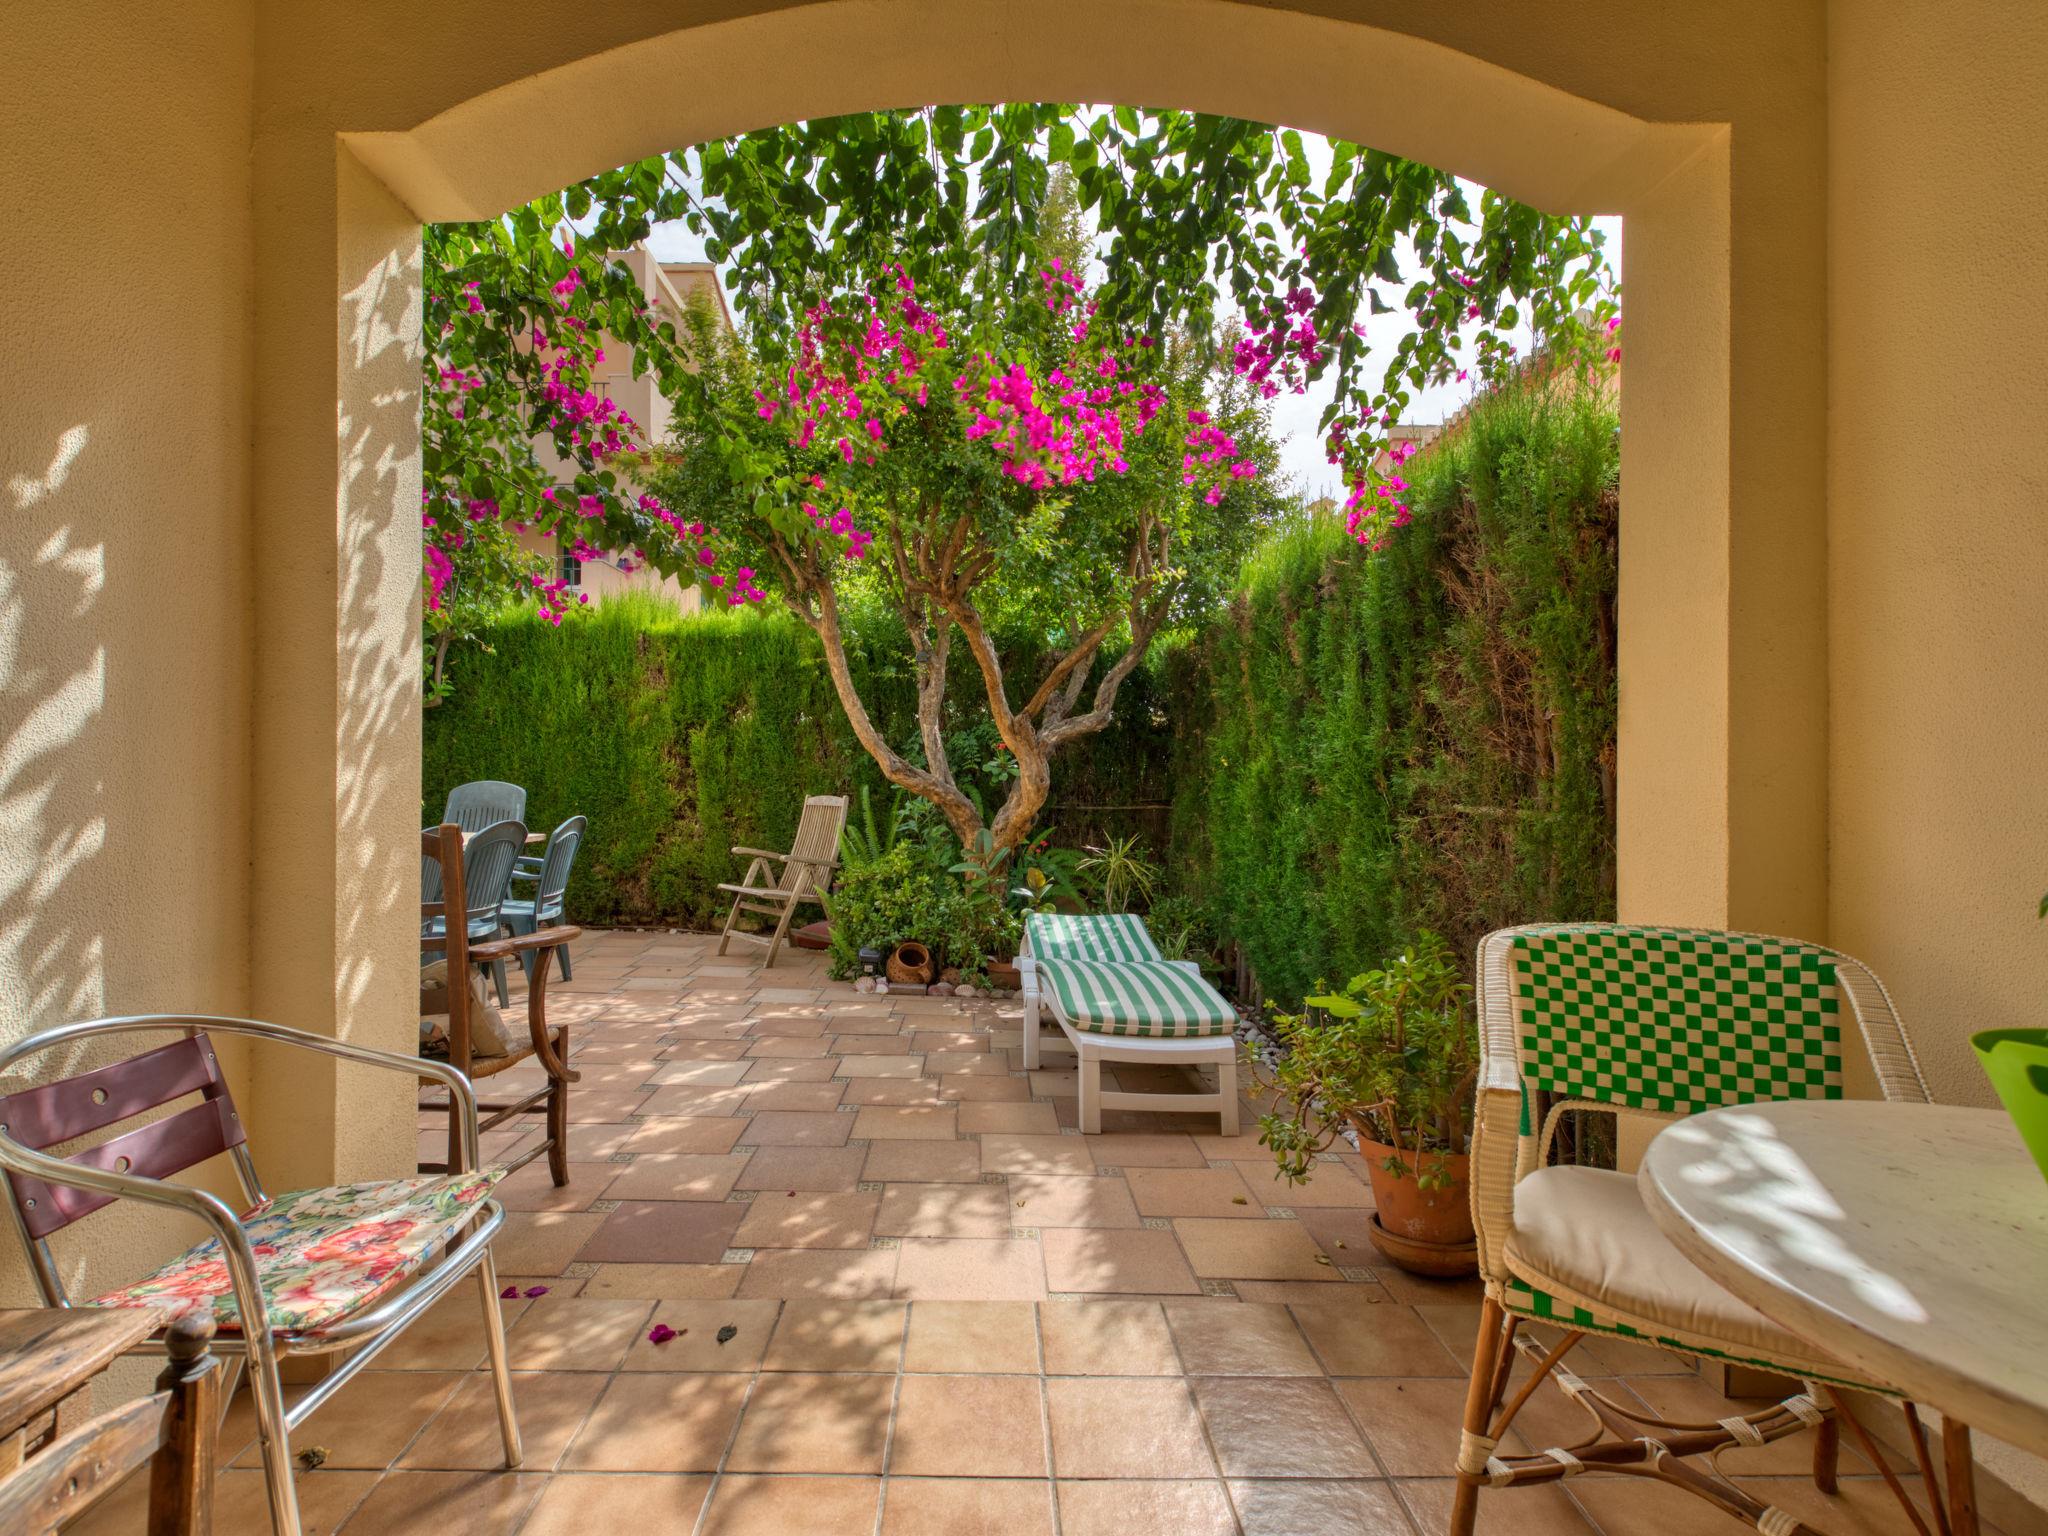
(125, 566)
(1938, 511)
(212, 779)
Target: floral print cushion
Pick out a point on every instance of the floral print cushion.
(321, 1254)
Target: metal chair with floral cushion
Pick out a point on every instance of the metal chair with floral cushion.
(335, 1271)
(1650, 1024)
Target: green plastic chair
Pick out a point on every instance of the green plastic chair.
(551, 874)
(473, 806)
(487, 860)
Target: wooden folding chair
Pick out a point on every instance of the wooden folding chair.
(807, 871)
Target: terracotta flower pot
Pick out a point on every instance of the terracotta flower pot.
(911, 964)
(1002, 973)
(1430, 1228)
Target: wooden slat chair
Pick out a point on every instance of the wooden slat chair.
(549, 1044)
(1649, 1024)
(807, 871)
(489, 858)
(550, 876)
(338, 1271)
(55, 1350)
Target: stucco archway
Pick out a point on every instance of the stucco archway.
(1709, 821)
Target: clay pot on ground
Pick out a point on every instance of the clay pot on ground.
(1427, 1231)
(1001, 973)
(911, 964)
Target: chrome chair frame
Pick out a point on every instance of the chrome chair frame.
(260, 1349)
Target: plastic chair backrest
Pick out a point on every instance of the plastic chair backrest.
(554, 869)
(487, 860)
(78, 1106)
(482, 803)
(817, 840)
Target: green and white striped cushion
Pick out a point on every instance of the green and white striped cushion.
(1136, 997)
(1119, 936)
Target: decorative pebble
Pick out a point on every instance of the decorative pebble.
(965, 992)
(941, 989)
(864, 984)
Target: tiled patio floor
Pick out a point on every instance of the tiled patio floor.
(950, 1315)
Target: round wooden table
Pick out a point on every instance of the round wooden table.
(1909, 1241)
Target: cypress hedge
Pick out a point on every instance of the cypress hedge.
(1361, 747)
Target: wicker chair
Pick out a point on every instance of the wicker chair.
(1650, 1024)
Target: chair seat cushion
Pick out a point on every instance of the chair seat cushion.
(1136, 997)
(1089, 936)
(321, 1254)
(1584, 1237)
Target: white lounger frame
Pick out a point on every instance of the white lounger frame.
(1092, 1050)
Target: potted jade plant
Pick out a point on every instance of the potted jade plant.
(1393, 1058)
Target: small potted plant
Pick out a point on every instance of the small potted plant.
(1393, 1057)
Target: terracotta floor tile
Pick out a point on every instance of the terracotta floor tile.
(1092, 1259)
(1340, 1231)
(677, 1176)
(778, 1219)
(1413, 1424)
(765, 1075)
(575, 1333)
(944, 1210)
(1037, 1154)
(696, 1345)
(370, 1422)
(966, 1064)
(1231, 1338)
(820, 1272)
(533, 1189)
(1275, 1426)
(657, 1282)
(464, 1435)
(604, 1106)
(1126, 1427)
(660, 1422)
(969, 1269)
(1124, 1509)
(694, 1099)
(870, 1045)
(942, 1040)
(686, 1050)
(907, 1123)
(1061, 1200)
(711, 1072)
(999, 1337)
(814, 1423)
(1374, 1340)
(1252, 1250)
(891, 1090)
(966, 1088)
(823, 1170)
(879, 1066)
(800, 1098)
(814, 1335)
(785, 1047)
(1309, 1292)
(542, 1242)
(1008, 1435)
(1137, 1149)
(778, 1506)
(1328, 1184)
(1279, 1507)
(949, 1506)
(923, 1162)
(698, 1135)
(450, 1337)
(578, 1503)
(784, 1021)
(665, 1232)
(1539, 1511)
(446, 1503)
(1107, 1338)
(1213, 1192)
(1035, 1118)
(1426, 1290)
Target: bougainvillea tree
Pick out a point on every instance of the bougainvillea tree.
(959, 460)
(831, 227)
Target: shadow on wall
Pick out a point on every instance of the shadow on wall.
(53, 689)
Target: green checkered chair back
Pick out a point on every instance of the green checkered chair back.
(1674, 1020)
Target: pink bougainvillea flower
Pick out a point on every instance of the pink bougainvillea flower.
(660, 1333)
(510, 1293)
(534, 1290)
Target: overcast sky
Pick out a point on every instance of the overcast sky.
(1294, 416)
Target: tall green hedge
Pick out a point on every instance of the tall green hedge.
(1375, 744)
(1365, 745)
